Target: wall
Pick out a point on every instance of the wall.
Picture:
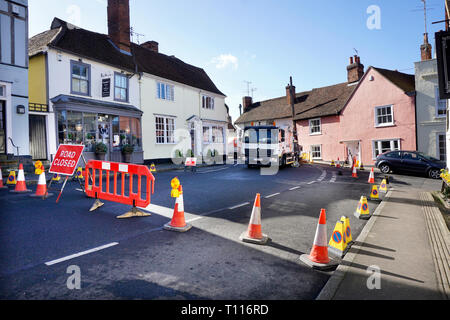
(59, 79)
(14, 71)
(329, 138)
(37, 80)
(187, 103)
(428, 123)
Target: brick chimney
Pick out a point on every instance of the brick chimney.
(288, 94)
(246, 103)
(425, 49)
(355, 70)
(119, 23)
(152, 45)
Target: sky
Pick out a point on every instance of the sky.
(265, 42)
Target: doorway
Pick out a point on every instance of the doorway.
(2, 128)
(38, 137)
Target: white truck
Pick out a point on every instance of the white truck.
(268, 146)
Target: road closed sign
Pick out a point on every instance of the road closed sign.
(66, 159)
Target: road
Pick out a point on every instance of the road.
(137, 259)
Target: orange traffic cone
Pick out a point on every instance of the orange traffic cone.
(1, 180)
(21, 186)
(338, 163)
(41, 189)
(372, 177)
(178, 222)
(254, 232)
(318, 257)
(354, 173)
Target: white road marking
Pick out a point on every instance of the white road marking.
(273, 195)
(221, 169)
(322, 177)
(165, 211)
(294, 188)
(81, 190)
(76, 255)
(311, 182)
(239, 205)
(333, 179)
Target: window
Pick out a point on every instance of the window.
(316, 152)
(217, 134)
(207, 102)
(120, 87)
(314, 126)
(165, 128)
(90, 131)
(206, 134)
(165, 91)
(383, 146)
(442, 153)
(80, 75)
(2, 91)
(441, 105)
(384, 116)
(394, 155)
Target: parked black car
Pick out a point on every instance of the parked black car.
(409, 161)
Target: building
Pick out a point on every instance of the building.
(88, 87)
(431, 111)
(378, 115)
(372, 112)
(14, 134)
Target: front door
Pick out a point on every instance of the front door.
(353, 151)
(2, 128)
(38, 138)
(104, 133)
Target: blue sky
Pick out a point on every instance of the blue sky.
(266, 41)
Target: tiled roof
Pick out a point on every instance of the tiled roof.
(404, 81)
(96, 46)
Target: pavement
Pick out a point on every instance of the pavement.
(407, 241)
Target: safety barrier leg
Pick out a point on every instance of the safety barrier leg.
(135, 212)
(97, 204)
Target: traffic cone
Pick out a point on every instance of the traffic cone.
(361, 166)
(372, 177)
(318, 257)
(41, 189)
(178, 222)
(1, 180)
(254, 232)
(338, 242)
(21, 185)
(354, 173)
(383, 186)
(338, 164)
(11, 178)
(56, 177)
(362, 212)
(348, 230)
(332, 163)
(79, 173)
(152, 168)
(374, 195)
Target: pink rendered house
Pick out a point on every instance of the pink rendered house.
(371, 113)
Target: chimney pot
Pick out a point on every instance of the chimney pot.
(355, 71)
(425, 49)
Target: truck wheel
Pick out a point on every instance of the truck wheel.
(283, 162)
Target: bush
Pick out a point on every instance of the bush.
(189, 154)
(127, 148)
(100, 147)
(178, 154)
